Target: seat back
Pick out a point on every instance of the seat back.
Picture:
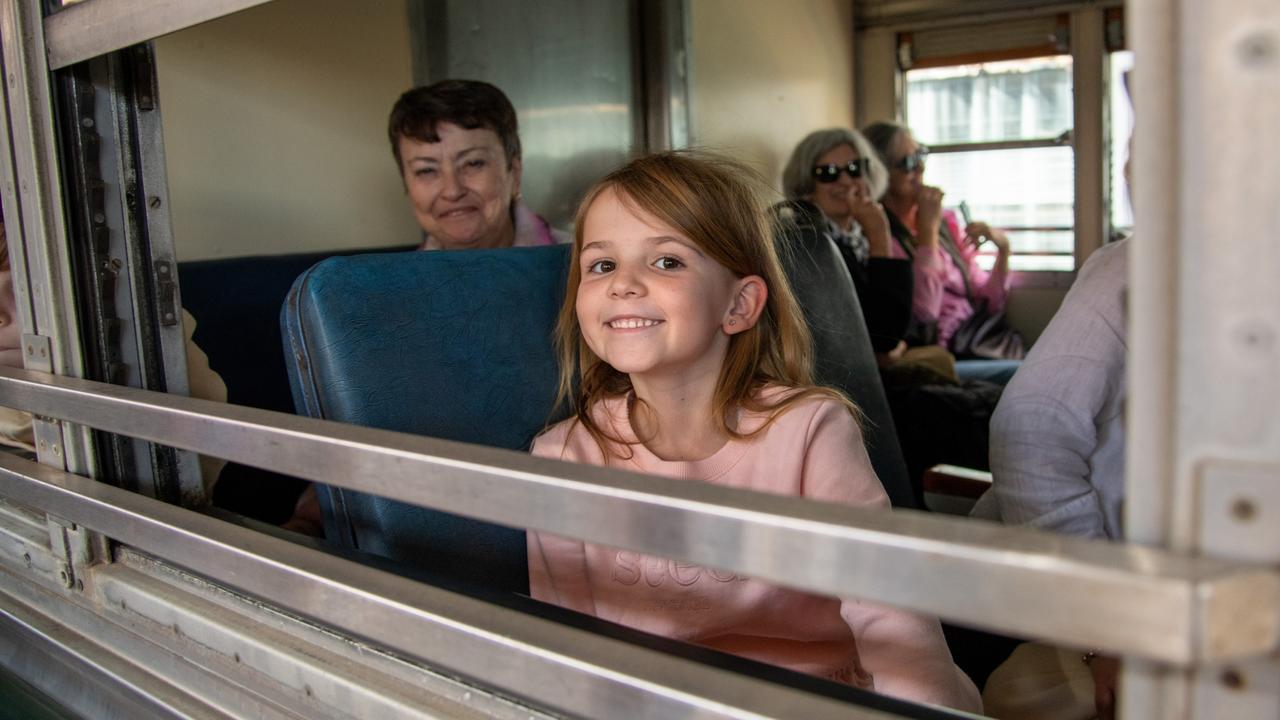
(235, 302)
(454, 345)
(842, 347)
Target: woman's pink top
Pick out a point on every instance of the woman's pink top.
(939, 294)
(814, 450)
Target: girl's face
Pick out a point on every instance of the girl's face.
(461, 188)
(650, 303)
(904, 185)
(833, 197)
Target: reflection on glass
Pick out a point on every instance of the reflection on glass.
(994, 101)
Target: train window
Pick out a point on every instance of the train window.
(992, 125)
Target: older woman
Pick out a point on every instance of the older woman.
(457, 147)
(832, 181)
(948, 281)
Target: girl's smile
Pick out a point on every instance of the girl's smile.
(632, 323)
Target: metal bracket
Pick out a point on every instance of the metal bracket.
(73, 545)
(166, 293)
(37, 353)
(48, 437)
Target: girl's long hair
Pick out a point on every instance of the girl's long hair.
(719, 205)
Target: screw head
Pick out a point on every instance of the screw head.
(1244, 509)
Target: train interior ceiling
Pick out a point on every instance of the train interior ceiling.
(274, 117)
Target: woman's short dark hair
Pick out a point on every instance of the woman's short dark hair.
(469, 104)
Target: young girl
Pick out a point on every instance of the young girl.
(693, 361)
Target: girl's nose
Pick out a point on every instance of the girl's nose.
(624, 283)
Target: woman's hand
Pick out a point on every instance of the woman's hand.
(870, 216)
(977, 232)
(928, 215)
(887, 359)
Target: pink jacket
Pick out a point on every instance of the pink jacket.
(814, 450)
(939, 294)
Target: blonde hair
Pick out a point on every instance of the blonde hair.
(717, 204)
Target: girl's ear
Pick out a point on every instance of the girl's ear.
(749, 299)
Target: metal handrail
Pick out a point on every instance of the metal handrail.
(1117, 598)
(551, 664)
(96, 27)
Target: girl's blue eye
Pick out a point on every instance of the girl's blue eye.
(600, 267)
(667, 262)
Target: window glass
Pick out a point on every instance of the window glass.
(1121, 128)
(1027, 192)
(991, 102)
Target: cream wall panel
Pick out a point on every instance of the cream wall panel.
(275, 127)
(877, 76)
(765, 73)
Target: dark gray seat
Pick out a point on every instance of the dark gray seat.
(842, 347)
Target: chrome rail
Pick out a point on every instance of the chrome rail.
(1118, 598)
(95, 27)
(550, 664)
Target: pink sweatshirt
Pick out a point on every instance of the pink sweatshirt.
(814, 450)
(939, 293)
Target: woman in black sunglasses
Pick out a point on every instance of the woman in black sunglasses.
(832, 181)
(949, 284)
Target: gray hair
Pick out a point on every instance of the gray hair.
(797, 176)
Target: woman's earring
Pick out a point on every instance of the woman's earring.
(732, 321)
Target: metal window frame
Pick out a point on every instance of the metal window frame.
(92, 28)
(1087, 136)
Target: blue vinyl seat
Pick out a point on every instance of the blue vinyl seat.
(458, 345)
(454, 345)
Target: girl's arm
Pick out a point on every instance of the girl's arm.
(907, 656)
(904, 652)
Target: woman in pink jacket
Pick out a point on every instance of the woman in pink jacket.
(949, 284)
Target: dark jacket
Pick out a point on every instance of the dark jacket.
(884, 285)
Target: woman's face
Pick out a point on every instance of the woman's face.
(461, 187)
(833, 197)
(904, 185)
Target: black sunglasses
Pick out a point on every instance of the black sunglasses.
(914, 161)
(830, 172)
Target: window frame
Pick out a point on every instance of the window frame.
(1088, 35)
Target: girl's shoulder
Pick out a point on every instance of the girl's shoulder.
(797, 406)
(570, 440)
